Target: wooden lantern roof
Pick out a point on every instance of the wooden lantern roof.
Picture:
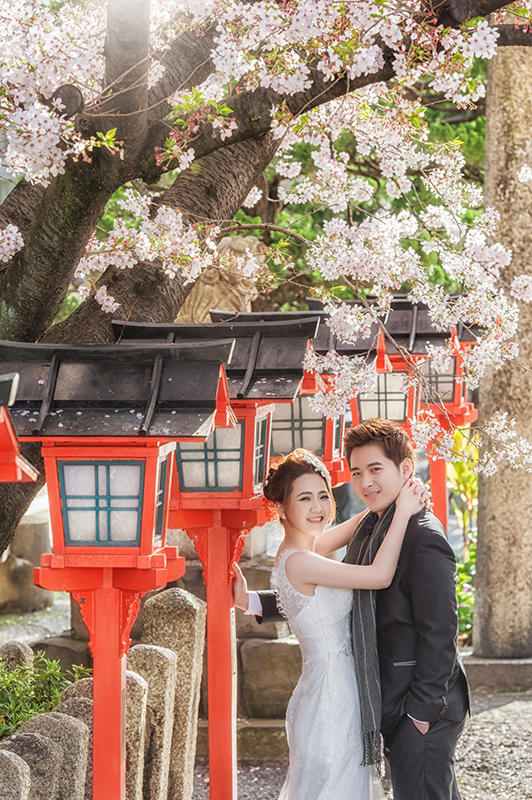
(128, 390)
(409, 323)
(267, 362)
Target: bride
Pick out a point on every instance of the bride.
(316, 595)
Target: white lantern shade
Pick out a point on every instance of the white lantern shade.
(297, 425)
(213, 466)
(388, 401)
(101, 502)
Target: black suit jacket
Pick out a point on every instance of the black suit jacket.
(417, 625)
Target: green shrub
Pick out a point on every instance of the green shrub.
(29, 690)
(465, 590)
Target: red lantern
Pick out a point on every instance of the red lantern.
(217, 498)
(108, 418)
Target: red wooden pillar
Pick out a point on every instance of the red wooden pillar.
(216, 548)
(109, 692)
(438, 485)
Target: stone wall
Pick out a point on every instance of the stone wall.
(50, 757)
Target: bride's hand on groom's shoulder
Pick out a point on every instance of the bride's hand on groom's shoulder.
(413, 496)
(240, 589)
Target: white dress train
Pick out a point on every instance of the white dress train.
(323, 716)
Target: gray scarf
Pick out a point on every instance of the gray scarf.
(361, 550)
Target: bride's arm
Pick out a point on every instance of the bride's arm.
(334, 538)
(306, 569)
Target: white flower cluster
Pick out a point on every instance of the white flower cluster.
(105, 301)
(525, 174)
(253, 197)
(346, 377)
(428, 432)
(180, 248)
(11, 242)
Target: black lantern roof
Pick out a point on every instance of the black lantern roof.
(156, 390)
(409, 323)
(267, 362)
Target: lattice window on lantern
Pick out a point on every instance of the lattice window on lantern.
(261, 450)
(160, 498)
(101, 502)
(213, 466)
(389, 401)
(441, 384)
(297, 425)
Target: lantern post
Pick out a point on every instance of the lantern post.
(218, 499)
(449, 402)
(108, 418)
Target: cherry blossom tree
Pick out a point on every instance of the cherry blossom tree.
(172, 110)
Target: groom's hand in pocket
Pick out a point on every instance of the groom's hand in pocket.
(421, 726)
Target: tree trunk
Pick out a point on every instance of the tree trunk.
(503, 611)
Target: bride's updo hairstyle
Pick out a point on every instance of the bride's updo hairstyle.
(281, 476)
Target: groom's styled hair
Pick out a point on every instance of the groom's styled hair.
(390, 436)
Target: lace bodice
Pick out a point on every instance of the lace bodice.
(321, 621)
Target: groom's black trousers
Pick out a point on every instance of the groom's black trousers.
(422, 765)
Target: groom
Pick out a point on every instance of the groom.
(423, 686)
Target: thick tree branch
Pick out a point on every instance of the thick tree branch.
(511, 36)
(453, 13)
(125, 93)
(251, 110)
(214, 191)
(56, 224)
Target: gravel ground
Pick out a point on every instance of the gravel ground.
(34, 625)
(493, 757)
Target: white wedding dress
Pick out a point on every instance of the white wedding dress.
(323, 716)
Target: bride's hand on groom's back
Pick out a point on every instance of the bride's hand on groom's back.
(240, 589)
(413, 496)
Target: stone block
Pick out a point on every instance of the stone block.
(192, 581)
(18, 593)
(15, 779)
(176, 619)
(158, 667)
(179, 538)
(81, 708)
(81, 688)
(43, 757)
(14, 654)
(32, 539)
(498, 674)
(259, 741)
(136, 698)
(65, 649)
(72, 737)
(270, 671)
(255, 545)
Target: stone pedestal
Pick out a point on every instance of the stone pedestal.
(18, 593)
(72, 737)
(15, 777)
(176, 619)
